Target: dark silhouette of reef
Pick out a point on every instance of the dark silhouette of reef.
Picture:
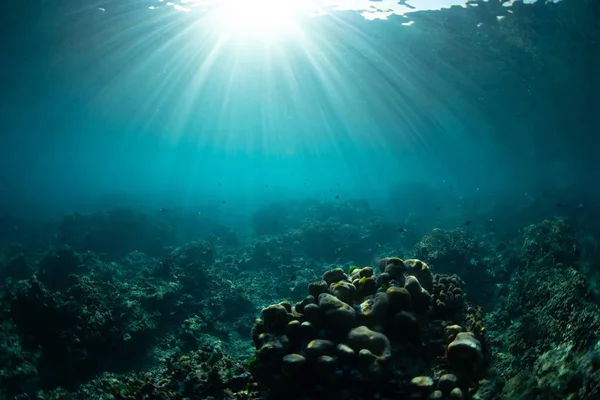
(482, 311)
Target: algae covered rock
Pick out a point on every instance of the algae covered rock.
(421, 271)
(337, 314)
(421, 387)
(276, 317)
(334, 275)
(344, 291)
(316, 288)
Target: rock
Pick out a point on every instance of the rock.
(421, 271)
(464, 354)
(447, 382)
(325, 367)
(345, 353)
(315, 289)
(334, 275)
(399, 299)
(419, 296)
(374, 349)
(319, 347)
(422, 384)
(293, 365)
(405, 326)
(457, 394)
(343, 290)
(436, 395)
(275, 317)
(337, 315)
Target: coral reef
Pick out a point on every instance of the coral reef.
(370, 334)
(76, 326)
(545, 333)
(78, 316)
(205, 373)
(457, 251)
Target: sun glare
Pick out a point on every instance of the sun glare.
(261, 17)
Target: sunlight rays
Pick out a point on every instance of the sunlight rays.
(272, 76)
(267, 18)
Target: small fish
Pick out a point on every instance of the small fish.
(337, 196)
(450, 187)
(163, 210)
(304, 183)
(275, 222)
(376, 226)
(401, 230)
(561, 204)
(266, 186)
(220, 184)
(377, 245)
(580, 205)
(437, 208)
(223, 202)
(468, 222)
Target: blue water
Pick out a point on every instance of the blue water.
(149, 105)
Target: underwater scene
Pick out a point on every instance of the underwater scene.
(300, 199)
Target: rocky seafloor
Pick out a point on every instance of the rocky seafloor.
(456, 314)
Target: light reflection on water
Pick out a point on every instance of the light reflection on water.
(272, 9)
